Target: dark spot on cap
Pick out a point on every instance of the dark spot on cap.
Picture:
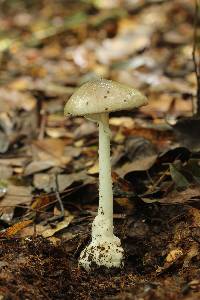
(108, 91)
(106, 108)
(87, 102)
(125, 100)
(105, 96)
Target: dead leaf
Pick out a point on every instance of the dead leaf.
(94, 169)
(51, 150)
(16, 99)
(16, 195)
(127, 42)
(56, 133)
(61, 225)
(138, 154)
(46, 182)
(5, 172)
(4, 142)
(54, 147)
(196, 216)
(14, 229)
(141, 164)
(192, 252)
(172, 257)
(41, 201)
(34, 230)
(187, 131)
(122, 121)
(178, 177)
(15, 162)
(187, 196)
(38, 166)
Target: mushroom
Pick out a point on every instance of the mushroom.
(95, 100)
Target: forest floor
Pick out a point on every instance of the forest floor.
(47, 49)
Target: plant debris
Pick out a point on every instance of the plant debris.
(49, 163)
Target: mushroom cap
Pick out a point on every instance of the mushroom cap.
(102, 95)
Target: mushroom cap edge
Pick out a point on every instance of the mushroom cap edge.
(102, 95)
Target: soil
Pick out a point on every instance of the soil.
(49, 163)
(35, 268)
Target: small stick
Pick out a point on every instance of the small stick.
(62, 210)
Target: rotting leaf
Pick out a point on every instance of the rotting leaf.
(193, 167)
(138, 155)
(5, 172)
(195, 216)
(94, 169)
(192, 252)
(141, 164)
(46, 182)
(189, 196)
(38, 166)
(177, 177)
(41, 201)
(171, 155)
(16, 195)
(4, 142)
(14, 229)
(15, 162)
(51, 150)
(54, 147)
(61, 225)
(172, 257)
(187, 130)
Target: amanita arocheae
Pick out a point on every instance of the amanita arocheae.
(94, 100)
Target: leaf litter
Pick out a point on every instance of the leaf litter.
(48, 164)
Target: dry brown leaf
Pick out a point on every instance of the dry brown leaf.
(15, 196)
(14, 229)
(187, 196)
(52, 150)
(16, 99)
(15, 162)
(173, 255)
(33, 230)
(61, 225)
(122, 121)
(94, 169)
(54, 147)
(196, 216)
(192, 252)
(141, 164)
(38, 166)
(40, 202)
(171, 259)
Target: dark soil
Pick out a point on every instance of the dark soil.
(48, 163)
(34, 268)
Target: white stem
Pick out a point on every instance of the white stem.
(105, 180)
(105, 248)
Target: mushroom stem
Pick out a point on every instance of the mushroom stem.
(105, 248)
(105, 180)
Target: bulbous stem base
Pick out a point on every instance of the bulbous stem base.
(105, 248)
(107, 253)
